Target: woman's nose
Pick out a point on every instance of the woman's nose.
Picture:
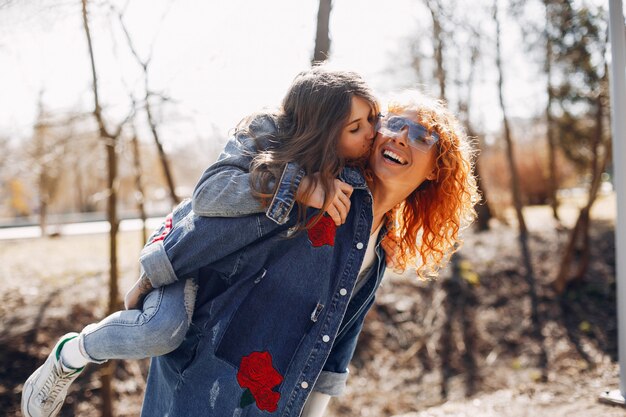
(401, 137)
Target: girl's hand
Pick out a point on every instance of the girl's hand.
(133, 299)
(340, 202)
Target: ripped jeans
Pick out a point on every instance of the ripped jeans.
(136, 334)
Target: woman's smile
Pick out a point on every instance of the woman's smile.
(393, 156)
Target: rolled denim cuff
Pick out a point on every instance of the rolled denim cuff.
(331, 383)
(81, 344)
(157, 266)
(285, 196)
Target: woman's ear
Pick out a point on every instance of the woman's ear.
(432, 175)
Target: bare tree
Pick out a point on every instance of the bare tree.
(322, 37)
(109, 138)
(517, 201)
(550, 128)
(148, 97)
(435, 8)
(140, 194)
(581, 42)
(456, 292)
(579, 239)
(483, 209)
(46, 151)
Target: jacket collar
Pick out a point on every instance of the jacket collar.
(353, 176)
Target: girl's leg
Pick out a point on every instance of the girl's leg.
(131, 334)
(135, 334)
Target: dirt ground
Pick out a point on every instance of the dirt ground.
(459, 346)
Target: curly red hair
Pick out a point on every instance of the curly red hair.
(425, 227)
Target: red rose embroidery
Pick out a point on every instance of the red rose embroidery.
(166, 229)
(259, 377)
(323, 233)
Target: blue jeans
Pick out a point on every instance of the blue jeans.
(136, 334)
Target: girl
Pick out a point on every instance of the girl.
(328, 115)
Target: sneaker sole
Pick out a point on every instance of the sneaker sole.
(27, 393)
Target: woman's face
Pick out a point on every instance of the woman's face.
(357, 135)
(398, 165)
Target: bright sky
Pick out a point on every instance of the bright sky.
(219, 60)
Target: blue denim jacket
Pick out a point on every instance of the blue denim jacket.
(262, 295)
(224, 188)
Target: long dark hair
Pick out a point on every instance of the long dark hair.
(310, 122)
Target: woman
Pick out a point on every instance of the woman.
(279, 319)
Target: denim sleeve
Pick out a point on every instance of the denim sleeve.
(334, 376)
(285, 196)
(195, 242)
(224, 188)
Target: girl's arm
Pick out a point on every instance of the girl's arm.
(193, 242)
(224, 188)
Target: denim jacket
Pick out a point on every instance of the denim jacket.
(224, 188)
(275, 313)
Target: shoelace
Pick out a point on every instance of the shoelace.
(51, 390)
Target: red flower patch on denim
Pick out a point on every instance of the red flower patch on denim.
(323, 233)
(166, 229)
(258, 376)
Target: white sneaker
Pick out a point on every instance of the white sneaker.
(45, 390)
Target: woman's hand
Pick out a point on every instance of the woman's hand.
(134, 297)
(339, 204)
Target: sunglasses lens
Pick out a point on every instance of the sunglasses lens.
(417, 134)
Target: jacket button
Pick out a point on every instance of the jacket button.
(326, 338)
(343, 291)
(359, 245)
(304, 385)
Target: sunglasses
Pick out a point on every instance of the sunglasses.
(418, 136)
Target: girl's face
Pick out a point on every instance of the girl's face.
(398, 164)
(358, 134)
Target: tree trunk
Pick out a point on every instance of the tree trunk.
(107, 373)
(43, 199)
(551, 140)
(140, 192)
(322, 37)
(517, 202)
(43, 216)
(80, 198)
(578, 243)
(144, 64)
(110, 141)
(162, 156)
(483, 209)
(553, 180)
(440, 73)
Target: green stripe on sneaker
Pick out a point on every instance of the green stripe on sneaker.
(60, 347)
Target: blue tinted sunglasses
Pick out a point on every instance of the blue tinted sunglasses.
(418, 136)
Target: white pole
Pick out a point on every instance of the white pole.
(617, 35)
